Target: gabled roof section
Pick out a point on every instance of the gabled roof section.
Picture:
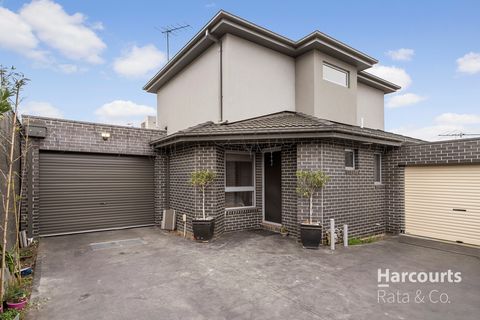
(224, 22)
(281, 125)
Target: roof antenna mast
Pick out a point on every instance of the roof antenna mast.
(170, 30)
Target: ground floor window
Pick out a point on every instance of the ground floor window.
(377, 168)
(239, 180)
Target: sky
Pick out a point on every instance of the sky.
(88, 60)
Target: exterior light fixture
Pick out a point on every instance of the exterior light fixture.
(105, 136)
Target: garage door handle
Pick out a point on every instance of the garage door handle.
(103, 203)
(461, 210)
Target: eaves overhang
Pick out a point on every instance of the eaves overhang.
(376, 82)
(180, 138)
(225, 23)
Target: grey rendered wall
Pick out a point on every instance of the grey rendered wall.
(75, 136)
(455, 152)
(305, 83)
(332, 101)
(256, 80)
(370, 107)
(192, 96)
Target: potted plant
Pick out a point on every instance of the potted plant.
(203, 228)
(16, 296)
(283, 231)
(308, 184)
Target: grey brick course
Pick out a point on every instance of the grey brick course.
(75, 136)
(465, 151)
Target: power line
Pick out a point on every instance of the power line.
(170, 30)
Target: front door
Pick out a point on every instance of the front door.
(272, 164)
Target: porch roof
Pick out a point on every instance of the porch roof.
(281, 125)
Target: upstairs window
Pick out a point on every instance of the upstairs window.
(239, 180)
(377, 168)
(335, 75)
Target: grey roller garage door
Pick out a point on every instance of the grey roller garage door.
(87, 192)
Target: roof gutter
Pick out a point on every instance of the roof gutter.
(376, 82)
(269, 136)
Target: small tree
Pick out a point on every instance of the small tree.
(308, 183)
(201, 179)
(11, 85)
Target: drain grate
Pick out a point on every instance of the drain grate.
(114, 244)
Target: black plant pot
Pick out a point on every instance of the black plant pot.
(203, 229)
(310, 235)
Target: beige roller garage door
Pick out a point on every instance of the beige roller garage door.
(443, 202)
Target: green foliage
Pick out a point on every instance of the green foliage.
(202, 178)
(355, 241)
(5, 96)
(9, 314)
(11, 259)
(15, 293)
(309, 182)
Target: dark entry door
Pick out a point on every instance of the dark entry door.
(272, 162)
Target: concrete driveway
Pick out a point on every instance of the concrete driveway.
(248, 275)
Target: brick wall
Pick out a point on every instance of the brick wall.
(75, 136)
(351, 196)
(289, 186)
(453, 152)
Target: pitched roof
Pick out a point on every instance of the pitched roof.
(224, 22)
(285, 125)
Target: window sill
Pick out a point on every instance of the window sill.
(241, 208)
(352, 171)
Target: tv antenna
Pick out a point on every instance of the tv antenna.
(170, 30)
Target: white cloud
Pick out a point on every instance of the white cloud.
(458, 119)
(16, 35)
(97, 26)
(446, 126)
(402, 100)
(44, 109)
(66, 33)
(469, 63)
(210, 5)
(393, 74)
(402, 54)
(68, 68)
(123, 112)
(139, 61)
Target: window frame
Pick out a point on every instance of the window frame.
(353, 159)
(243, 188)
(380, 181)
(346, 72)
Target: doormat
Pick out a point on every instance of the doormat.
(114, 244)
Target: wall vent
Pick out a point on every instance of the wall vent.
(168, 220)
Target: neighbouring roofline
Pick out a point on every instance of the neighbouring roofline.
(376, 82)
(224, 22)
